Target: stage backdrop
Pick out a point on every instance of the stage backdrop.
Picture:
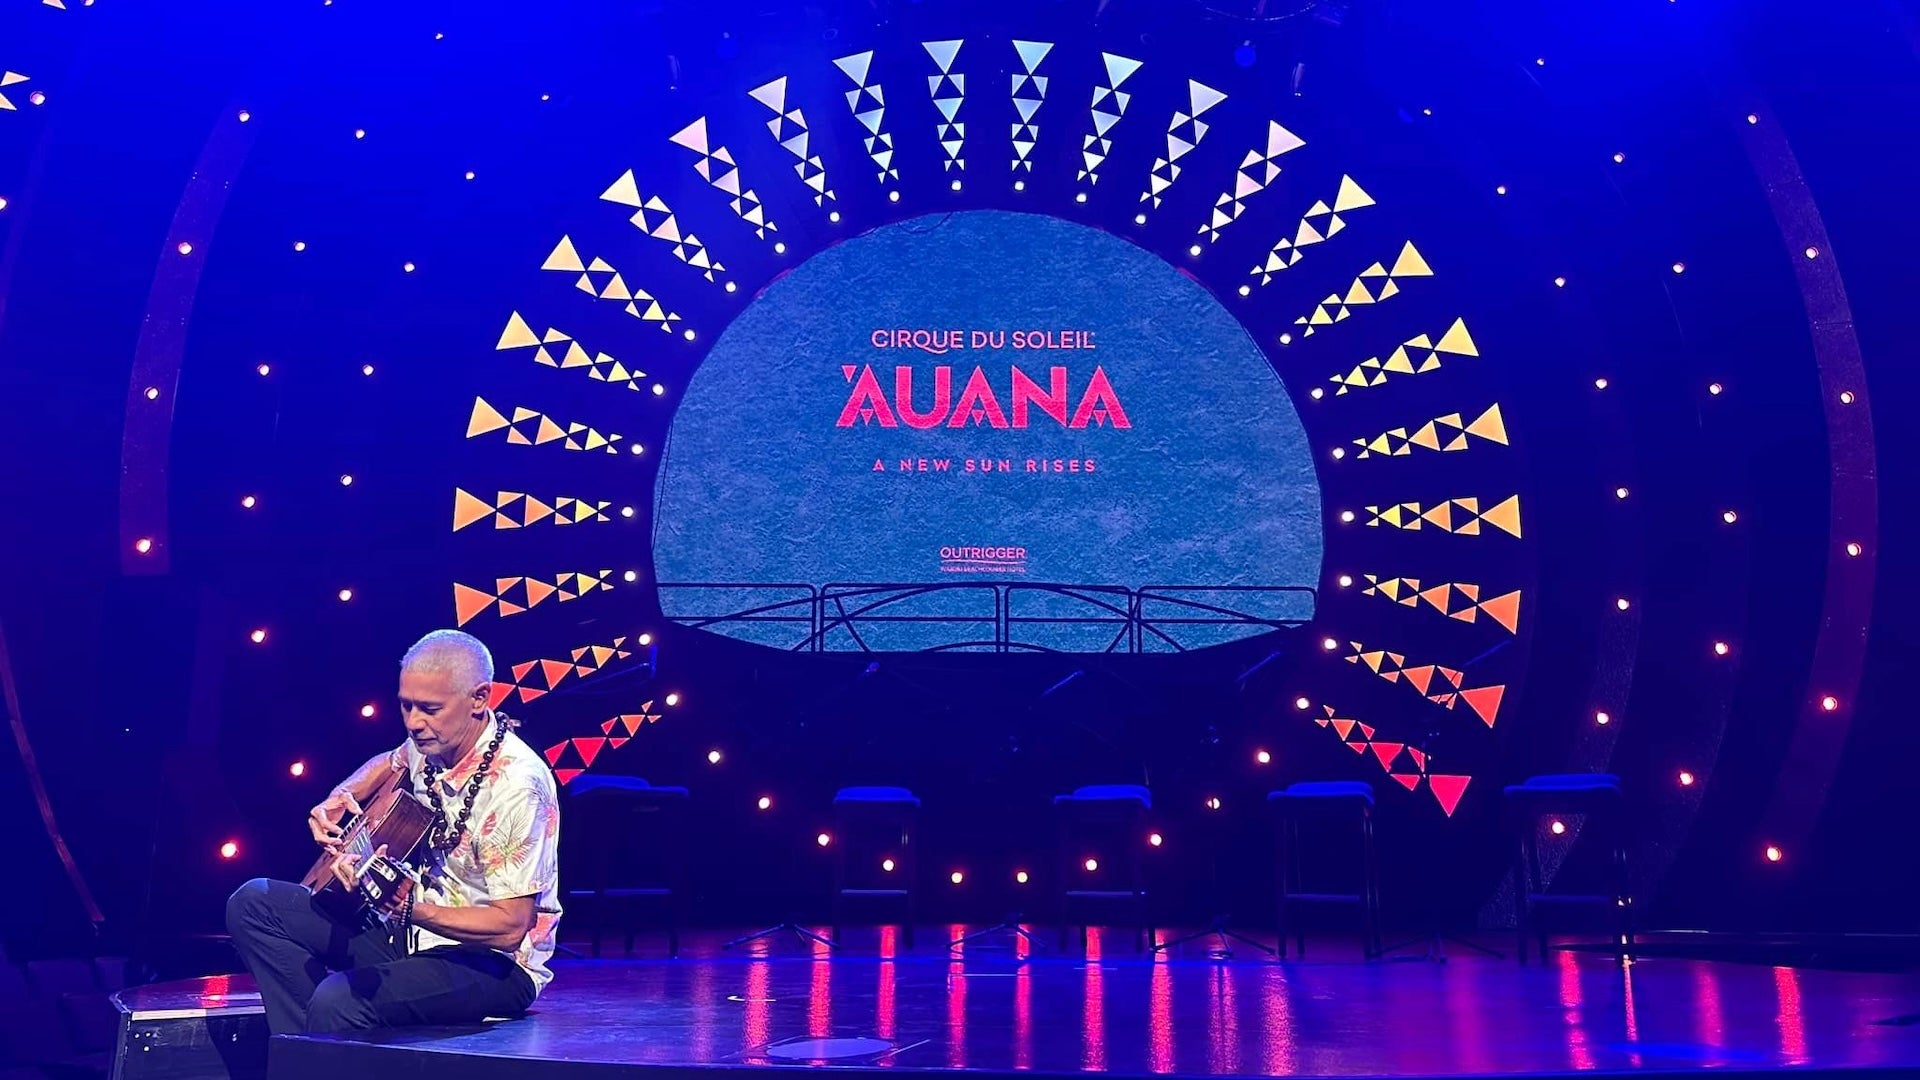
(985, 396)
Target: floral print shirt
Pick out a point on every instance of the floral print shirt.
(510, 847)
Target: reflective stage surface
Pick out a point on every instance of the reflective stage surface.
(1110, 1010)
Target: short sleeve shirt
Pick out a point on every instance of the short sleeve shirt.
(510, 847)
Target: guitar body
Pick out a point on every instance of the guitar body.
(394, 818)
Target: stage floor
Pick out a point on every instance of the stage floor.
(1110, 1010)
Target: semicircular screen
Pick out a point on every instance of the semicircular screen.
(991, 430)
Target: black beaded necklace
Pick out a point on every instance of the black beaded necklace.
(441, 837)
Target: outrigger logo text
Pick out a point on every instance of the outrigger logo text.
(979, 404)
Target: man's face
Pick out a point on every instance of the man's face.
(439, 716)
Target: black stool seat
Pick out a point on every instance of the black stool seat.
(1106, 808)
(1600, 798)
(624, 818)
(889, 812)
(1326, 802)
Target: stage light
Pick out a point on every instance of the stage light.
(1620, 493)
(346, 479)
(367, 711)
(1829, 703)
(229, 849)
(249, 502)
(1287, 339)
(1194, 251)
(631, 576)
(245, 116)
(298, 768)
(1686, 778)
(359, 133)
(1623, 603)
(143, 545)
(1263, 757)
(439, 37)
(1619, 159)
(688, 334)
(470, 174)
(955, 185)
(893, 196)
(1729, 517)
(1679, 268)
(765, 803)
(1080, 197)
(1092, 865)
(1560, 283)
(3, 202)
(367, 370)
(1156, 839)
(258, 637)
(184, 248)
(1601, 383)
(1602, 718)
(546, 97)
(346, 595)
(1346, 581)
(1559, 828)
(1301, 703)
(626, 511)
(833, 216)
(1813, 252)
(779, 247)
(713, 757)
(1853, 549)
(1426, 112)
(1774, 854)
(1715, 389)
(1500, 189)
(1020, 876)
(646, 639)
(1019, 185)
(1213, 802)
(731, 287)
(408, 267)
(1346, 516)
(37, 97)
(299, 245)
(956, 877)
(636, 449)
(1339, 452)
(1329, 644)
(658, 390)
(887, 865)
(1721, 648)
(263, 370)
(823, 839)
(672, 700)
(1139, 219)
(1540, 61)
(1753, 118)
(1846, 397)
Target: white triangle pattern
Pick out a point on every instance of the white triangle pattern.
(1029, 93)
(789, 128)
(869, 105)
(1109, 105)
(652, 216)
(1257, 170)
(745, 203)
(1316, 226)
(1184, 133)
(601, 281)
(949, 92)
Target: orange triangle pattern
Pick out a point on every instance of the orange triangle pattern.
(511, 596)
(1416, 356)
(1374, 285)
(514, 509)
(1449, 691)
(1442, 433)
(1461, 516)
(536, 678)
(601, 281)
(1454, 599)
(1358, 737)
(556, 349)
(530, 428)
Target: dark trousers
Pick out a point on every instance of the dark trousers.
(291, 946)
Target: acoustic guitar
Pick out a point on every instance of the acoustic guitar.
(394, 818)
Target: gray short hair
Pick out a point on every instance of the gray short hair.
(459, 654)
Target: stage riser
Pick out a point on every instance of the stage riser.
(212, 1047)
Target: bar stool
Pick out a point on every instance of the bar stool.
(1110, 809)
(621, 821)
(1599, 798)
(888, 813)
(1326, 803)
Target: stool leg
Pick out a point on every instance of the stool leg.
(1523, 891)
(1299, 881)
(1539, 877)
(1372, 944)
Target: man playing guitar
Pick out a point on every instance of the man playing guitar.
(472, 938)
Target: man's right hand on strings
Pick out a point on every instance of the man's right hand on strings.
(324, 819)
